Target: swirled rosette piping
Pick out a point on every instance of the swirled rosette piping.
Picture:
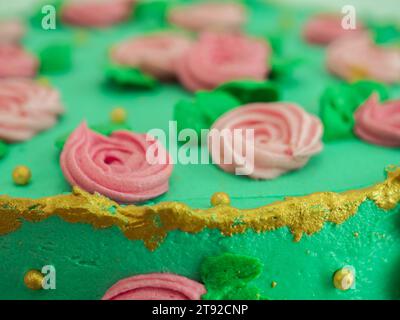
(15, 62)
(96, 13)
(325, 28)
(11, 31)
(154, 54)
(208, 16)
(379, 123)
(156, 286)
(220, 57)
(26, 108)
(126, 167)
(357, 57)
(285, 138)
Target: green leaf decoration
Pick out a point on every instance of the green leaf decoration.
(386, 34)
(282, 67)
(154, 11)
(188, 116)
(251, 91)
(276, 43)
(56, 57)
(245, 293)
(339, 102)
(282, 64)
(208, 106)
(227, 277)
(364, 89)
(204, 110)
(129, 77)
(3, 149)
(105, 129)
(214, 104)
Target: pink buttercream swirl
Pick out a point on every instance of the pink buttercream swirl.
(96, 13)
(221, 57)
(325, 28)
(356, 56)
(117, 166)
(156, 286)
(26, 108)
(11, 31)
(285, 138)
(379, 123)
(208, 16)
(154, 54)
(16, 62)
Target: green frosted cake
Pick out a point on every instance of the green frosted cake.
(84, 216)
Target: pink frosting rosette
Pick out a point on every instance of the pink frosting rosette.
(209, 15)
(96, 13)
(324, 28)
(154, 54)
(126, 167)
(379, 123)
(221, 57)
(156, 286)
(16, 62)
(26, 108)
(285, 138)
(11, 31)
(357, 56)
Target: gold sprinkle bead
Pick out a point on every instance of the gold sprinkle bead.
(118, 115)
(274, 284)
(220, 198)
(343, 279)
(21, 175)
(33, 279)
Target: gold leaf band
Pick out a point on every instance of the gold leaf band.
(151, 224)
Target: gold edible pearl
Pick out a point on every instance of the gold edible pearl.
(21, 175)
(274, 284)
(343, 279)
(33, 279)
(220, 198)
(118, 115)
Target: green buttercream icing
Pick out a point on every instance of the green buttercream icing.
(227, 277)
(56, 57)
(3, 149)
(129, 77)
(251, 91)
(105, 129)
(339, 102)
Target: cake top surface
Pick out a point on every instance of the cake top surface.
(342, 165)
